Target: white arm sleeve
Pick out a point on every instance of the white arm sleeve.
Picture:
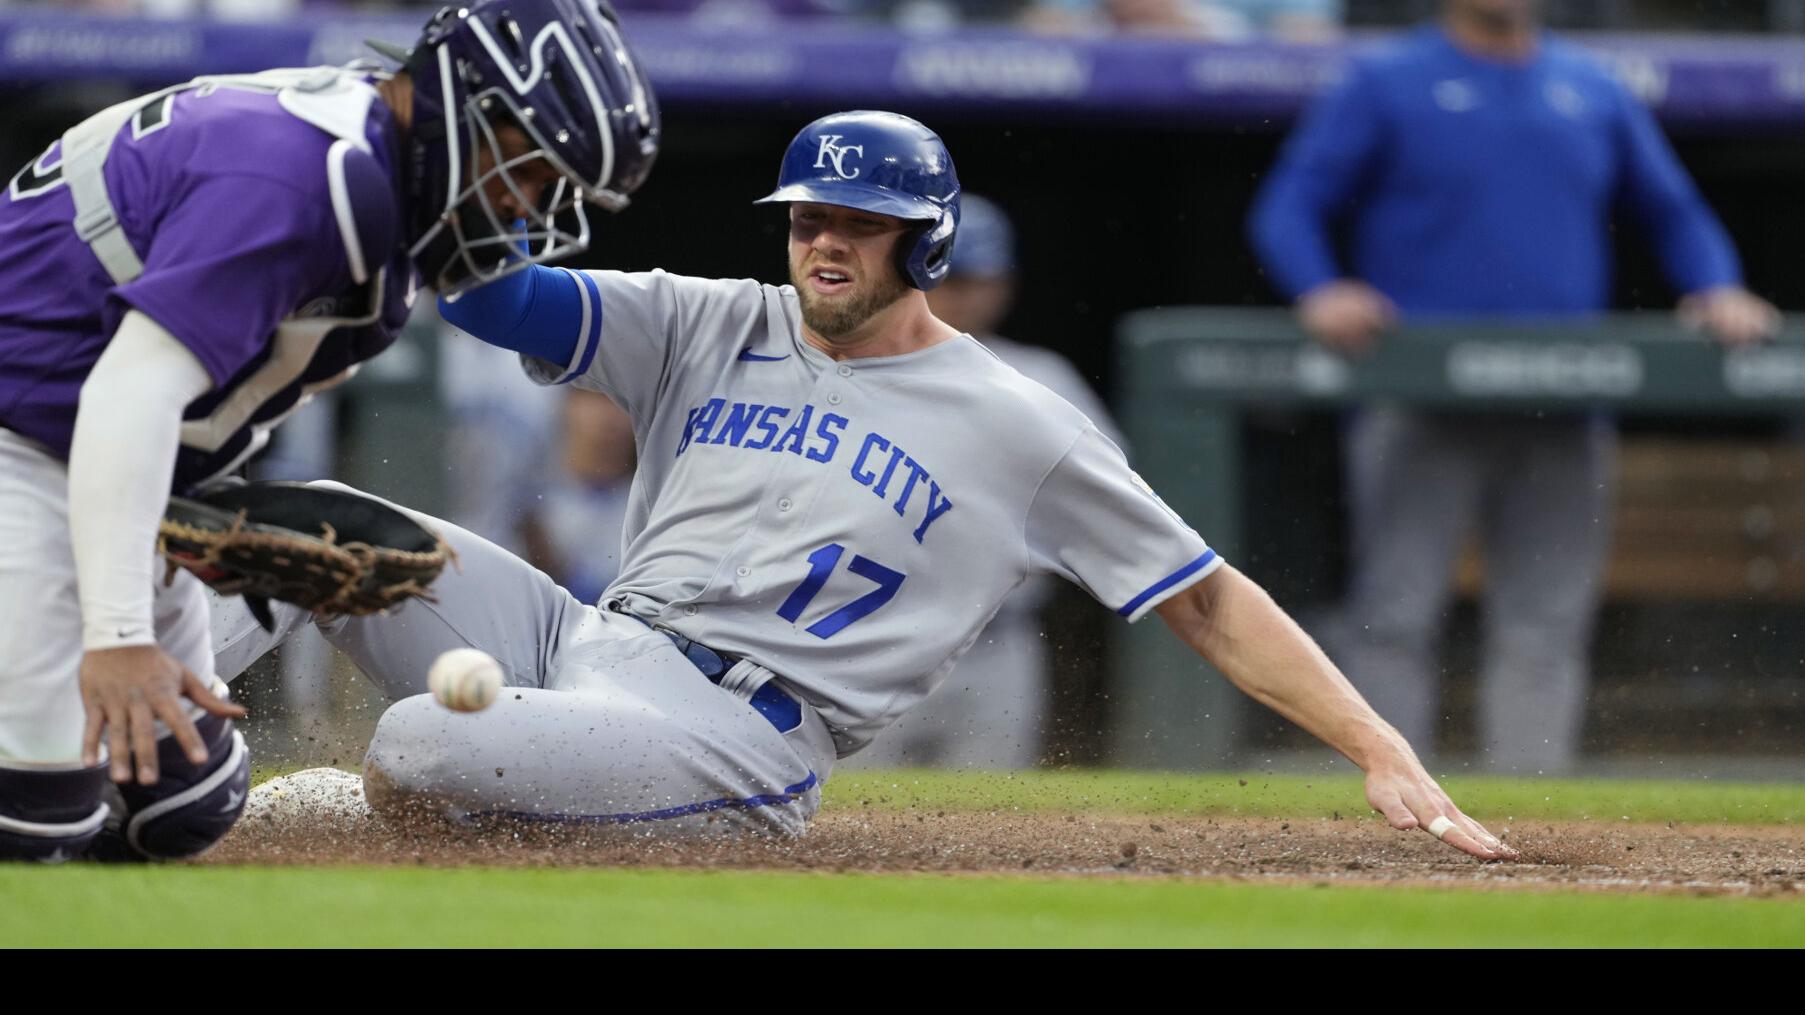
(127, 429)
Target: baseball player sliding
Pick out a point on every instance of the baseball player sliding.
(836, 491)
(172, 291)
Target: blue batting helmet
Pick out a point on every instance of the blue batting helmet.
(884, 163)
(559, 71)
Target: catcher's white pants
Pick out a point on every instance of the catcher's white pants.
(604, 723)
(40, 613)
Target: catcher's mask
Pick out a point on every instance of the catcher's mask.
(560, 72)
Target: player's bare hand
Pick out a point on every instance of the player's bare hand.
(1409, 798)
(125, 691)
(1346, 315)
(1732, 315)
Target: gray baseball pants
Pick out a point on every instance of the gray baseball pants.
(1540, 491)
(604, 722)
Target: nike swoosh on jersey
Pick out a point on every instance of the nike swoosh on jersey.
(748, 356)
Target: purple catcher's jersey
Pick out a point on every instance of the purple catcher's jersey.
(267, 219)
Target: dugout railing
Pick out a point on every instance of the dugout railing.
(1189, 377)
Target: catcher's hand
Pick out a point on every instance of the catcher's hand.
(125, 692)
(329, 551)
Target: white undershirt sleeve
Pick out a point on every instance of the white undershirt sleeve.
(127, 429)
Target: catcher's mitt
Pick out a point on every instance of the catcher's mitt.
(329, 551)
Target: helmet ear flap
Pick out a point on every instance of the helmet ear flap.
(927, 251)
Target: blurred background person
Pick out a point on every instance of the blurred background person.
(992, 711)
(501, 446)
(1475, 166)
(542, 471)
(576, 534)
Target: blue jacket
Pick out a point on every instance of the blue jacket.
(1473, 187)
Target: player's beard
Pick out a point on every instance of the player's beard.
(834, 317)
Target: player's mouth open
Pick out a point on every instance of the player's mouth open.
(829, 280)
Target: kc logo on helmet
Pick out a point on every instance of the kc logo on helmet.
(832, 149)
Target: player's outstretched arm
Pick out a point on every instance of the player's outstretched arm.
(1234, 624)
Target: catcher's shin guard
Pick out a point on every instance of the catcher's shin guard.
(49, 813)
(189, 809)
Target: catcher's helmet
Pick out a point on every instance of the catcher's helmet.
(884, 163)
(561, 72)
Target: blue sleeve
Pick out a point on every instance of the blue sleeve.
(539, 312)
(1691, 242)
(1318, 174)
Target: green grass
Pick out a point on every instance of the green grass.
(189, 906)
(1302, 796)
(181, 907)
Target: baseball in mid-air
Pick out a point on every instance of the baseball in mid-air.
(464, 679)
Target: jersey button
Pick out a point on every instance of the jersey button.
(690, 611)
(784, 504)
(833, 398)
(742, 571)
(845, 371)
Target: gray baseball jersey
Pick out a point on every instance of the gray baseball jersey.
(850, 525)
(992, 710)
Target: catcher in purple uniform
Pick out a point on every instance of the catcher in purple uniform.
(183, 270)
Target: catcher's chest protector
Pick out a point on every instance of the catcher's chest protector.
(317, 343)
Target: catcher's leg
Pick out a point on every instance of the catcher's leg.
(631, 737)
(40, 614)
(191, 806)
(489, 599)
(51, 807)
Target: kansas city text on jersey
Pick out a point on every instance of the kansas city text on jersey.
(881, 465)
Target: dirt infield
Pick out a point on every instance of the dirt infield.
(1761, 861)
